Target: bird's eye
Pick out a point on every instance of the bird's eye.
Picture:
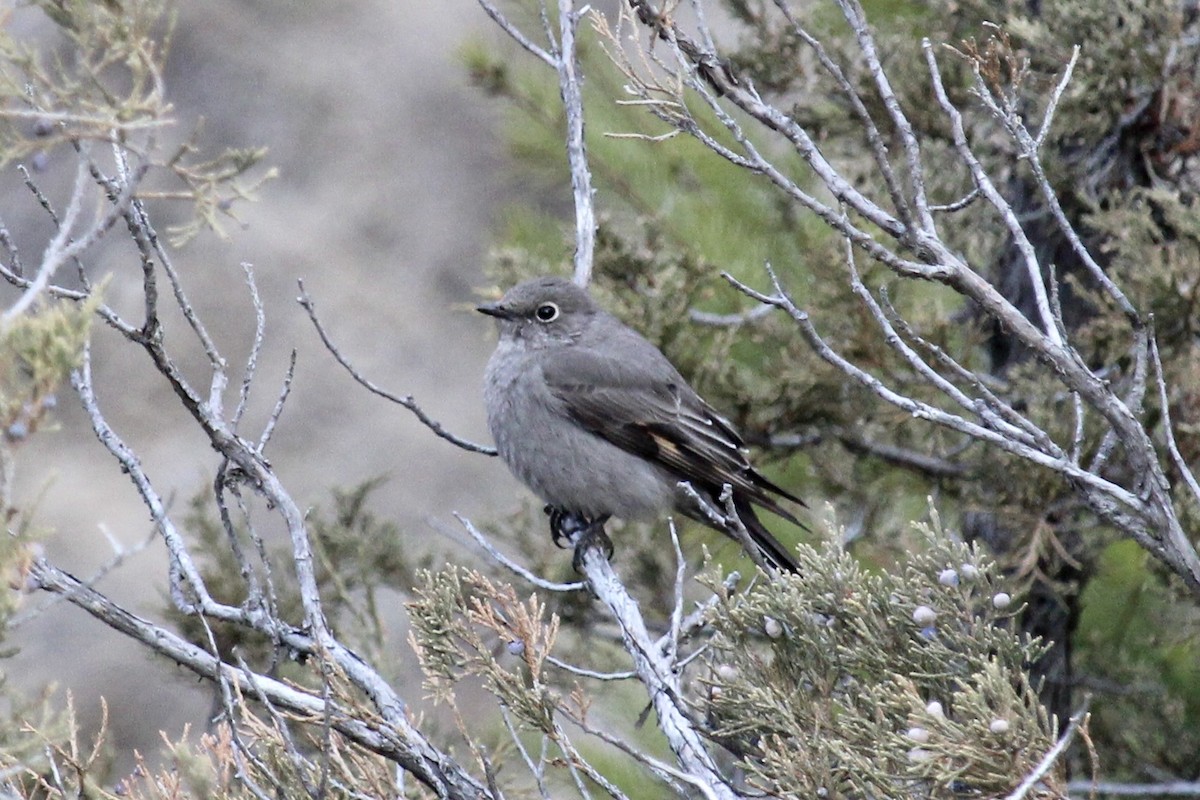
(547, 312)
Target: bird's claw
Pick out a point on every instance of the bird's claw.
(591, 535)
(563, 526)
(569, 529)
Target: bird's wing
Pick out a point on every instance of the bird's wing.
(643, 405)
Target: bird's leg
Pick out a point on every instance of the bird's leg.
(570, 529)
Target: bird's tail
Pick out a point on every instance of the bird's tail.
(772, 550)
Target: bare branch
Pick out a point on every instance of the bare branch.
(182, 567)
(1051, 758)
(930, 465)
(591, 673)
(536, 769)
(676, 626)
(728, 320)
(959, 204)
(877, 147)
(1184, 469)
(285, 390)
(921, 410)
(1116, 789)
(983, 182)
(1029, 150)
(853, 12)
(656, 671)
(401, 744)
(513, 566)
(567, 65)
(515, 33)
(63, 246)
(407, 401)
(260, 324)
(660, 768)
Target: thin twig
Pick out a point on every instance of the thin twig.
(729, 522)
(407, 401)
(853, 12)
(260, 324)
(285, 390)
(959, 204)
(728, 320)
(182, 566)
(922, 410)
(537, 770)
(983, 182)
(515, 33)
(1015, 125)
(1051, 757)
(931, 465)
(590, 673)
(1184, 469)
(676, 627)
(664, 771)
(394, 739)
(1028, 433)
(513, 566)
(59, 249)
(119, 557)
(1117, 789)
(877, 146)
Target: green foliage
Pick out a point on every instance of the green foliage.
(31, 725)
(842, 682)
(44, 755)
(37, 351)
(1152, 237)
(458, 617)
(1115, 74)
(1139, 651)
(838, 682)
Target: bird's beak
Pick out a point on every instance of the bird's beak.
(494, 310)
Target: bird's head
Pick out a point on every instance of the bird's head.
(542, 312)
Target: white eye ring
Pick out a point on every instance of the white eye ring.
(546, 312)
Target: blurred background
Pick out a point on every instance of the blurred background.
(394, 177)
(391, 173)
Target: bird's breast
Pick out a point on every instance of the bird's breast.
(565, 464)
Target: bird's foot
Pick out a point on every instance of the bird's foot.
(592, 535)
(570, 529)
(563, 526)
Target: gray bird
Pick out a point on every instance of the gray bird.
(597, 422)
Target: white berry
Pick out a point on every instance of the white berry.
(924, 615)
